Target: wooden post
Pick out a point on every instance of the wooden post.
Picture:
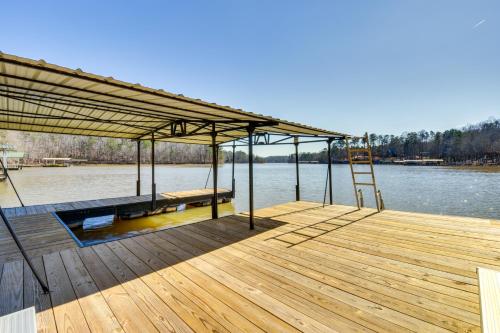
(250, 174)
(297, 185)
(153, 185)
(361, 199)
(215, 162)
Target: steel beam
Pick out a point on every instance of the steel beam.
(215, 162)
(233, 181)
(153, 184)
(209, 133)
(138, 183)
(250, 175)
(330, 180)
(290, 143)
(297, 185)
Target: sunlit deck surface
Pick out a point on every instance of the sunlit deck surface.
(304, 268)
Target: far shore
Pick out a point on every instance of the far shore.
(478, 168)
(475, 168)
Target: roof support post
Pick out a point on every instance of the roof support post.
(297, 186)
(330, 180)
(233, 181)
(215, 163)
(138, 183)
(153, 184)
(250, 175)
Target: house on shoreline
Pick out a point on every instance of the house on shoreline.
(11, 159)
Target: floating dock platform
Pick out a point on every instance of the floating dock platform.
(123, 204)
(305, 268)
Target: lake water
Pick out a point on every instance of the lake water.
(407, 188)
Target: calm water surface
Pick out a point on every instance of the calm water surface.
(419, 189)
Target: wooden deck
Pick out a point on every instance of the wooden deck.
(40, 232)
(133, 202)
(304, 268)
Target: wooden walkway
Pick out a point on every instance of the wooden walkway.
(305, 268)
(163, 199)
(40, 232)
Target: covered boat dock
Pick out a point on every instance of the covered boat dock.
(299, 266)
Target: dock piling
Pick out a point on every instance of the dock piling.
(380, 200)
(361, 200)
(233, 181)
(138, 183)
(330, 188)
(250, 174)
(215, 162)
(297, 185)
(153, 184)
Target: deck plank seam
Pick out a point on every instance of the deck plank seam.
(278, 285)
(290, 281)
(181, 290)
(273, 253)
(103, 266)
(237, 278)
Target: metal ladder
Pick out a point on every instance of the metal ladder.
(362, 156)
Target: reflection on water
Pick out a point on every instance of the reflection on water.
(126, 228)
(408, 188)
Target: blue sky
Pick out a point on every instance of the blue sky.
(350, 66)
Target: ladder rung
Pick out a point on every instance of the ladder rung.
(362, 173)
(368, 184)
(361, 162)
(359, 150)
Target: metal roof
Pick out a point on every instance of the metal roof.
(39, 97)
(15, 154)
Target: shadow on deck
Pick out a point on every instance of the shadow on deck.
(304, 268)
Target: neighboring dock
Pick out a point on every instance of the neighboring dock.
(304, 268)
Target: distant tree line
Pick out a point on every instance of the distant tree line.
(242, 157)
(36, 146)
(480, 142)
(474, 143)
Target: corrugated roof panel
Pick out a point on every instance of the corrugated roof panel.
(37, 96)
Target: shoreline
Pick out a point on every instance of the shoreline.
(475, 168)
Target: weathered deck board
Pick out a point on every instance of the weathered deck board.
(40, 232)
(34, 296)
(166, 198)
(11, 291)
(304, 268)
